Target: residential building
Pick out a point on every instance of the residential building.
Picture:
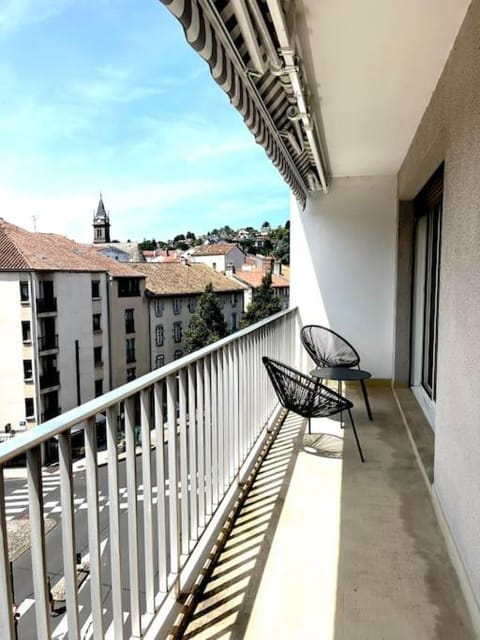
(252, 277)
(173, 291)
(218, 256)
(66, 317)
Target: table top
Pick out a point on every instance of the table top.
(340, 373)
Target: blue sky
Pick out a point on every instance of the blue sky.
(106, 96)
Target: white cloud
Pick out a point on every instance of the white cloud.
(15, 13)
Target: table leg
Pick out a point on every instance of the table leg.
(365, 397)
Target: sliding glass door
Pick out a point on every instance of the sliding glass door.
(426, 282)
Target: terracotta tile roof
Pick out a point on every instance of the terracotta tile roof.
(219, 249)
(170, 278)
(254, 278)
(22, 250)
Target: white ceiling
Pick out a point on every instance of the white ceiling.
(374, 66)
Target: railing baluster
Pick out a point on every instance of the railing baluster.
(114, 523)
(236, 379)
(37, 536)
(132, 517)
(184, 500)
(216, 437)
(161, 502)
(201, 443)
(148, 554)
(6, 600)
(226, 422)
(208, 437)
(174, 520)
(93, 527)
(192, 440)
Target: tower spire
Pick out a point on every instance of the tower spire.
(101, 224)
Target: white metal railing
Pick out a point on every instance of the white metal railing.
(206, 413)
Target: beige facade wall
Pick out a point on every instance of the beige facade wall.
(118, 335)
(450, 132)
(232, 308)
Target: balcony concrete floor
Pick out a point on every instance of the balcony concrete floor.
(327, 548)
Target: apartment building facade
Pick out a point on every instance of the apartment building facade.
(69, 319)
(173, 291)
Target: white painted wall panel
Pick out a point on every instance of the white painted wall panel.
(342, 258)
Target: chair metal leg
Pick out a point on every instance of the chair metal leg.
(365, 397)
(356, 436)
(339, 391)
(309, 425)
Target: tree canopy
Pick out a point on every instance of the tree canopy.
(207, 324)
(264, 302)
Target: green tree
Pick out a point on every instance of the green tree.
(264, 302)
(147, 245)
(207, 324)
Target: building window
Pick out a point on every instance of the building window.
(129, 321)
(27, 370)
(95, 288)
(178, 354)
(24, 293)
(177, 305)
(131, 375)
(177, 331)
(234, 321)
(97, 322)
(158, 305)
(192, 304)
(130, 344)
(233, 300)
(128, 287)
(159, 335)
(98, 388)
(29, 408)
(159, 360)
(26, 331)
(97, 356)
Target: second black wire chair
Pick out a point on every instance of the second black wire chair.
(306, 396)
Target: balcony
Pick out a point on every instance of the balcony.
(308, 541)
(48, 414)
(50, 379)
(48, 343)
(46, 305)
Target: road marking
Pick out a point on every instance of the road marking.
(24, 606)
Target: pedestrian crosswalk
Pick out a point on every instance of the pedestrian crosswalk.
(16, 502)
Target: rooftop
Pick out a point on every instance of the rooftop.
(219, 249)
(255, 276)
(176, 278)
(22, 250)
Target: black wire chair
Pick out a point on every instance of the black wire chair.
(307, 396)
(329, 349)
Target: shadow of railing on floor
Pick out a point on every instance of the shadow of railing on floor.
(236, 576)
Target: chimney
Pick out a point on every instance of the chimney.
(184, 260)
(229, 270)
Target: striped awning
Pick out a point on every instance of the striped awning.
(266, 100)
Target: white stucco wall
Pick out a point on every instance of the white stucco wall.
(12, 387)
(342, 257)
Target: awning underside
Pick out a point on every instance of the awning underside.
(248, 63)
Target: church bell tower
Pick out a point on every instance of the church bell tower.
(101, 224)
